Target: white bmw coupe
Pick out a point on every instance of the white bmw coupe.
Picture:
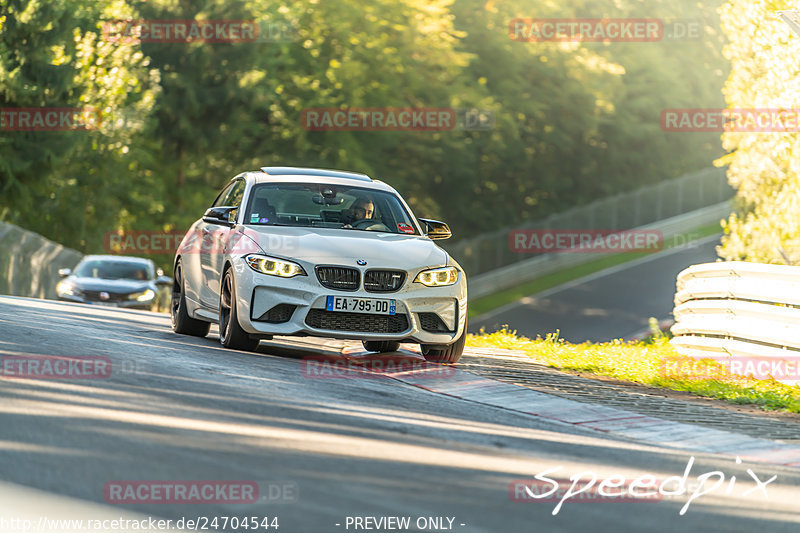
(302, 251)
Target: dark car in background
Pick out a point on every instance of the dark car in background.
(111, 280)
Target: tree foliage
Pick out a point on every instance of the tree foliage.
(764, 166)
(572, 121)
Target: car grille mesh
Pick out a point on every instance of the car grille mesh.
(338, 278)
(322, 319)
(384, 280)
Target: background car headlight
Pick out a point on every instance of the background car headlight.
(144, 296)
(65, 288)
(438, 277)
(274, 266)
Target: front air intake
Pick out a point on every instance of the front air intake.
(279, 314)
(433, 323)
(339, 321)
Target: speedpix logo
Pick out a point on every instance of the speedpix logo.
(588, 486)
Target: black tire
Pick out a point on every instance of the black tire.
(181, 321)
(451, 353)
(231, 334)
(381, 346)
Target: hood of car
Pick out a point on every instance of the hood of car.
(346, 247)
(122, 286)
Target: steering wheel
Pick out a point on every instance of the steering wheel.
(369, 224)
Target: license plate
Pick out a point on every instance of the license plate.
(361, 305)
(106, 304)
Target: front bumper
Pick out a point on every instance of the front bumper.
(122, 304)
(299, 306)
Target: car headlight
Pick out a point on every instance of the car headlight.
(144, 296)
(65, 288)
(437, 277)
(274, 266)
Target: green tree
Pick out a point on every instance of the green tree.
(69, 185)
(763, 166)
(573, 121)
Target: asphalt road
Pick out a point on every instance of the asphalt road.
(179, 408)
(612, 304)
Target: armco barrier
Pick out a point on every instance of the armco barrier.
(734, 309)
(29, 263)
(541, 265)
(489, 252)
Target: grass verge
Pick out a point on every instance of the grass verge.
(644, 362)
(488, 303)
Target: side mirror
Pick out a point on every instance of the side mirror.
(64, 272)
(220, 215)
(436, 230)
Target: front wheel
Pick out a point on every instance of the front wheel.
(445, 354)
(231, 334)
(381, 346)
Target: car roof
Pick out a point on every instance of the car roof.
(117, 258)
(299, 171)
(316, 175)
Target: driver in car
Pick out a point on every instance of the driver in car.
(362, 208)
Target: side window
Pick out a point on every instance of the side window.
(236, 194)
(223, 195)
(234, 199)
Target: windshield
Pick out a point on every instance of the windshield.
(327, 206)
(105, 269)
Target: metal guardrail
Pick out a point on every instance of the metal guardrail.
(541, 265)
(647, 205)
(29, 265)
(738, 309)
